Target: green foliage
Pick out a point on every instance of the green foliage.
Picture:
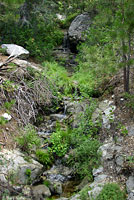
(59, 142)
(82, 139)
(129, 100)
(28, 141)
(3, 121)
(84, 193)
(111, 191)
(12, 177)
(39, 36)
(66, 23)
(28, 174)
(8, 104)
(47, 183)
(122, 129)
(85, 157)
(8, 86)
(130, 161)
(59, 77)
(3, 51)
(96, 66)
(44, 157)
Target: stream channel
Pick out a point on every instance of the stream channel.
(61, 181)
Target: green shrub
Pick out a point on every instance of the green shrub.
(85, 145)
(111, 191)
(44, 157)
(59, 142)
(85, 157)
(8, 104)
(28, 141)
(3, 121)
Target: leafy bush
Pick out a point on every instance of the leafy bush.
(28, 141)
(85, 157)
(95, 66)
(44, 157)
(59, 142)
(82, 139)
(111, 191)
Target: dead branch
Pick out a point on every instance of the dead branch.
(8, 60)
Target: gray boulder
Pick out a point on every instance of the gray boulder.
(80, 24)
(58, 173)
(41, 191)
(130, 196)
(15, 50)
(130, 188)
(106, 110)
(14, 167)
(56, 187)
(130, 184)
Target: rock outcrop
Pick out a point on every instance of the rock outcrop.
(78, 26)
(14, 167)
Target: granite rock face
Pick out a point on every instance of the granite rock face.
(79, 25)
(14, 165)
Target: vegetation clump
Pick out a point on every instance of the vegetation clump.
(111, 191)
(28, 141)
(44, 157)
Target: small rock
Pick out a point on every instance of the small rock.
(100, 178)
(7, 116)
(96, 172)
(76, 197)
(57, 116)
(120, 161)
(130, 184)
(131, 130)
(95, 192)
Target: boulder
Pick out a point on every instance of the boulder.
(15, 50)
(131, 130)
(130, 188)
(108, 150)
(106, 110)
(130, 196)
(56, 187)
(130, 184)
(15, 168)
(58, 173)
(41, 191)
(75, 33)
